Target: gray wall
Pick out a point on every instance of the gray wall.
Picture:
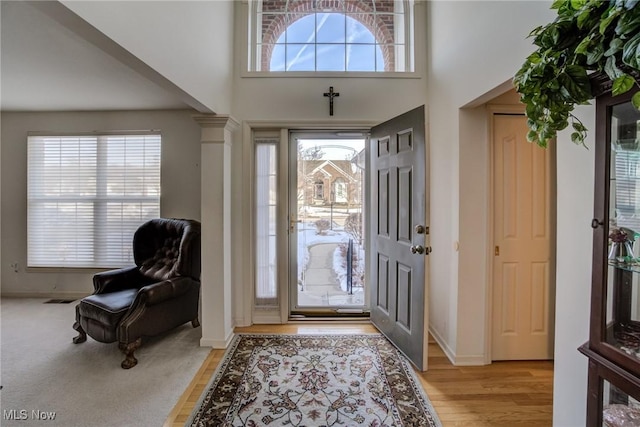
(180, 181)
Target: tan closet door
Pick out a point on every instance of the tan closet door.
(522, 321)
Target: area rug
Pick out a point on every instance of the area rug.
(313, 380)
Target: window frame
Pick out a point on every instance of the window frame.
(266, 239)
(100, 198)
(413, 29)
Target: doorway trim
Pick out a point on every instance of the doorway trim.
(245, 313)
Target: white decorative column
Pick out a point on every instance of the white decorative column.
(216, 304)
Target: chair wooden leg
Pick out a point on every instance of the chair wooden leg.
(82, 337)
(195, 322)
(129, 361)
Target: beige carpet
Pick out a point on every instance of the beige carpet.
(44, 373)
(313, 380)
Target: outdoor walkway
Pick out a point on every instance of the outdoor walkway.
(321, 286)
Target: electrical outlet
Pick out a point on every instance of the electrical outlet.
(14, 267)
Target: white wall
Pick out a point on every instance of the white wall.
(300, 99)
(469, 64)
(463, 69)
(180, 181)
(188, 42)
(573, 272)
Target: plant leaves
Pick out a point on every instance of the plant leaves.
(575, 81)
(611, 68)
(636, 100)
(622, 84)
(578, 4)
(578, 126)
(586, 36)
(614, 47)
(595, 54)
(583, 45)
(631, 52)
(575, 138)
(628, 23)
(604, 24)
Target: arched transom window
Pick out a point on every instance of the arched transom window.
(331, 35)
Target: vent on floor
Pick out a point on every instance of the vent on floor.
(59, 301)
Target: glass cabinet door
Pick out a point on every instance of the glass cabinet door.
(622, 329)
(618, 408)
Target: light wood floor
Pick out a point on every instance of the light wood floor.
(500, 394)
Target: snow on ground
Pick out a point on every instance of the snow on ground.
(340, 268)
(308, 236)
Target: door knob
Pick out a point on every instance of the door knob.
(417, 249)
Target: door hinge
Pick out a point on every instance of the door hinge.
(496, 251)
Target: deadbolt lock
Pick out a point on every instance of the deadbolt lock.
(421, 229)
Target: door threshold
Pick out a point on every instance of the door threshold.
(333, 316)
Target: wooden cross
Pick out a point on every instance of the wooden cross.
(331, 94)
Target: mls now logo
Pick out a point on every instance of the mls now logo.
(23, 414)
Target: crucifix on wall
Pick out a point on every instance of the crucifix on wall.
(331, 94)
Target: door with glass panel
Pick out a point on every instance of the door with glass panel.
(326, 224)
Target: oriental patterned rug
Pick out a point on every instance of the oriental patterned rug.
(313, 380)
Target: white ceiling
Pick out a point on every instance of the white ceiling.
(47, 67)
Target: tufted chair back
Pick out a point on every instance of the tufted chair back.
(166, 248)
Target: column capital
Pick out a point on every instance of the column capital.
(217, 121)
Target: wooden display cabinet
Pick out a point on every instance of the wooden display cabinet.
(613, 348)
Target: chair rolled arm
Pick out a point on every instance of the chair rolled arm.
(167, 289)
(117, 280)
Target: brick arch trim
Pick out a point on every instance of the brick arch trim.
(381, 26)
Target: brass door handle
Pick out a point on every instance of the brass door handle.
(292, 224)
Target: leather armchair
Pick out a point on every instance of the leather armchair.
(159, 293)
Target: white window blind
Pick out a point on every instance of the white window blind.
(266, 179)
(87, 195)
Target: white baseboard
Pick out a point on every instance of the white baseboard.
(241, 322)
(266, 318)
(213, 343)
(443, 345)
(456, 360)
(473, 360)
(51, 295)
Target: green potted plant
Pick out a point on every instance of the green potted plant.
(587, 38)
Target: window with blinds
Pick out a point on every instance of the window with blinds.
(87, 194)
(266, 178)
